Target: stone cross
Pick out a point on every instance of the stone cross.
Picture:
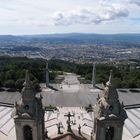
(68, 121)
(69, 116)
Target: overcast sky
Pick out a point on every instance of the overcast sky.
(64, 16)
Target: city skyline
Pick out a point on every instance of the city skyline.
(83, 16)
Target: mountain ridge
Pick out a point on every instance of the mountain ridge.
(76, 38)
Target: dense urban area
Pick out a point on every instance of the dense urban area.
(79, 48)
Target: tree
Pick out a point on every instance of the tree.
(19, 84)
(9, 84)
(36, 85)
(1, 83)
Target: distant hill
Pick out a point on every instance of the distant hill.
(108, 39)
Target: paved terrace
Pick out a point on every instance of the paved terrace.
(70, 93)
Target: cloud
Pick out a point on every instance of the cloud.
(32, 13)
(104, 13)
(122, 2)
(137, 2)
(82, 16)
(78, 15)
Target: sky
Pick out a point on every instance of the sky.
(66, 16)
